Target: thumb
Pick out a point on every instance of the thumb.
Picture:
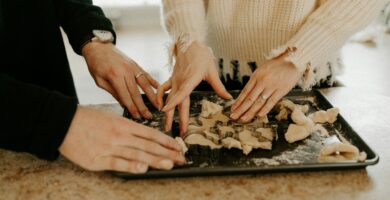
(218, 86)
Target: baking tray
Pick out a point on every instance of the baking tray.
(298, 156)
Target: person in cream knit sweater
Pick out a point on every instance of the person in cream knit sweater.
(264, 47)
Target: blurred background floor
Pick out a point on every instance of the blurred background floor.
(367, 64)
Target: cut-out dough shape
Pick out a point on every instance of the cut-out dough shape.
(249, 142)
(211, 136)
(183, 146)
(296, 132)
(266, 133)
(230, 142)
(282, 115)
(225, 131)
(209, 108)
(299, 117)
(197, 139)
(338, 152)
(194, 129)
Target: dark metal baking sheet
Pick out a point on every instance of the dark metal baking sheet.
(299, 156)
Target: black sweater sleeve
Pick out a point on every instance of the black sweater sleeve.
(78, 18)
(33, 119)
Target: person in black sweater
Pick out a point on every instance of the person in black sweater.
(40, 112)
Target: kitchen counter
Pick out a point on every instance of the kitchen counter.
(22, 176)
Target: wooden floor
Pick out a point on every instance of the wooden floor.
(367, 65)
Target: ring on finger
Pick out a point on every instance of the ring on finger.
(139, 75)
(263, 97)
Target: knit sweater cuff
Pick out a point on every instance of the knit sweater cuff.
(185, 21)
(326, 31)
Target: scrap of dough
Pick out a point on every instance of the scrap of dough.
(183, 146)
(198, 139)
(266, 133)
(282, 115)
(322, 116)
(296, 132)
(193, 121)
(230, 142)
(319, 117)
(193, 129)
(299, 117)
(263, 120)
(332, 114)
(211, 136)
(337, 152)
(210, 108)
(286, 103)
(247, 139)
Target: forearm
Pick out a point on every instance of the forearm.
(34, 119)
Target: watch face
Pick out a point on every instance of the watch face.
(103, 35)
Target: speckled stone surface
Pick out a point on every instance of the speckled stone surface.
(23, 176)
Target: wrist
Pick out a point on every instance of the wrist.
(90, 47)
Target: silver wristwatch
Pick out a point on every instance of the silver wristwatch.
(102, 36)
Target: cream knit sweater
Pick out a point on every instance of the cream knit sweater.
(257, 30)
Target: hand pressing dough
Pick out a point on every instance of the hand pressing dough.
(209, 108)
(183, 146)
(297, 132)
(266, 133)
(322, 116)
(249, 142)
(198, 139)
(230, 142)
(337, 152)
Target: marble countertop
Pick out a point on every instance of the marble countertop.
(22, 176)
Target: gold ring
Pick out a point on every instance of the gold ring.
(139, 75)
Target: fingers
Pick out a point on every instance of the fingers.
(153, 148)
(271, 102)
(124, 96)
(168, 119)
(247, 102)
(146, 86)
(161, 91)
(137, 98)
(152, 81)
(184, 115)
(122, 165)
(154, 135)
(218, 86)
(248, 87)
(179, 95)
(251, 113)
(151, 160)
(106, 86)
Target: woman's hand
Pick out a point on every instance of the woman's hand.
(267, 85)
(103, 141)
(191, 67)
(119, 75)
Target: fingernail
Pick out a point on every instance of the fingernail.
(233, 116)
(149, 115)
(230, 96)
(165, 164)
(142, 168)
